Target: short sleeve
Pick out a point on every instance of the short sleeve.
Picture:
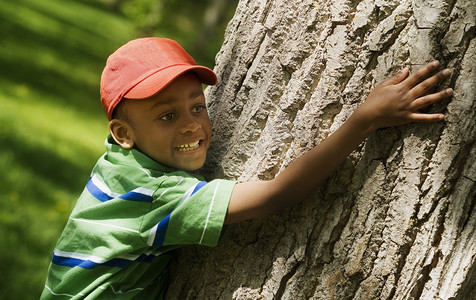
(195, 212)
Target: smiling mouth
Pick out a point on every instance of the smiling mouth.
(188, 147)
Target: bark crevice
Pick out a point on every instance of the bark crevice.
(398, 219)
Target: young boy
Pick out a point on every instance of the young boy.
(141, 201)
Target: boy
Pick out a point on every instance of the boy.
(141, 202)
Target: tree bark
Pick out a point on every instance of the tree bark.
(397, 220)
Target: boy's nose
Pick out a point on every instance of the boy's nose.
(190, 125)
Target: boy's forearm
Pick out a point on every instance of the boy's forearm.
(296, 182)
(311, 169)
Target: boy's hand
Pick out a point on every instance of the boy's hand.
(398, 99)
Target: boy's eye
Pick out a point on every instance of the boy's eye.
(198, 108)
(167, 117)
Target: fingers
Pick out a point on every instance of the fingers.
(430, 99)
(397, 78)
(420, 117)
(429, 83)
(421, 74)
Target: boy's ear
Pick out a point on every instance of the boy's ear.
(122, 133)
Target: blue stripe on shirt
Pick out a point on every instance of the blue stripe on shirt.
(96, 192)
(146, 258)
(161, 231)
(102, 196)
(88, 264)
(72, 262)
(163, 225)
(134, 196)
(199, 186)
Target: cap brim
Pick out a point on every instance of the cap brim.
(156, 82)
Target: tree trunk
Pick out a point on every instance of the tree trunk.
(397, 220)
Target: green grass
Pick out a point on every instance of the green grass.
(52, 126)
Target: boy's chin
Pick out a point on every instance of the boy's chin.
(191, 166)
(189, 169)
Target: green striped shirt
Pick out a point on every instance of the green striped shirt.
(132, 212)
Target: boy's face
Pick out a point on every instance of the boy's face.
(173, 127)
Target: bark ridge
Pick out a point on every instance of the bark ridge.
(398, 219)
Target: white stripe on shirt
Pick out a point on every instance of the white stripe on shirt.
(209, 212)
(102, 187)
(55, 294)
(105, 225)
(170, 188)
(105, 189)
(104, 287)
(143, 191)
(187, 194)
(153, 231)
(80, 256)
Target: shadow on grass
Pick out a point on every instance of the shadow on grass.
(37, 197)
(39, 188)
(53, 54)
(46, 164)
(57, 48)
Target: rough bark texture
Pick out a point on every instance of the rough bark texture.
(397, 220)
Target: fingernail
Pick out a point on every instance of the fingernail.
(435, 63)
(449, 91)
(403, 70)
(446, 72)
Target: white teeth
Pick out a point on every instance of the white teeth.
(188, 147)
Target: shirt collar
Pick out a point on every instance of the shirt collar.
(118, 155)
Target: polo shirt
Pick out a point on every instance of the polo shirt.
(131, 214)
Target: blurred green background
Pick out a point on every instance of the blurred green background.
(52, 126)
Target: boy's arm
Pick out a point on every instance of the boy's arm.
(394, 101)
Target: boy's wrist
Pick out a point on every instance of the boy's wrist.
(362, 123)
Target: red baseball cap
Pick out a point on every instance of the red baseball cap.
(143, 67)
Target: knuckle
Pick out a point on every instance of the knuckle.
(400, 90)
(440, 76)
(425, 85)
(427, 101)
(419, 76)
